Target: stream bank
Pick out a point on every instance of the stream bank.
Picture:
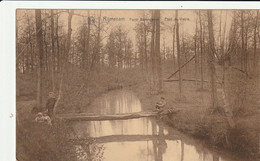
(199, 121)
(195, 119)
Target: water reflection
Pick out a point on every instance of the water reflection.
(140, 126)
(141, 139)
(119, 101)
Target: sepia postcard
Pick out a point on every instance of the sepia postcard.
(145, 84)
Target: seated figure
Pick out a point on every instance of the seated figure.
(43, 118)
(161, 104)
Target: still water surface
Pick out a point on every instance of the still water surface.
(144, 139)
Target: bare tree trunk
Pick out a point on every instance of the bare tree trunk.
(173, 45)
(52, 51)
(157, 50)
(88, 42)
(152, 48)
(45, 46)
(246, 47)
(222, 45)
(220, 26)
(68, 42)
(120, 50)
(195, 50)
(255, 42)
(184, 51)
(59, 95)
(242, 41)
(125, 53)
(145, 46)
(201, 53)
(39, 45)
(98, 39)
(178, 52)
(30, 42)
(130, 59)
(205, 47)
(83, 41)
(27, 57)
(232, 40)
(57, 43)
(211, 60)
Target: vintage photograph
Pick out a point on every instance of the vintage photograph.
(137, 85)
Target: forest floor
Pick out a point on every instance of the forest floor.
(36, 141)
(195, 119)
(39, 141)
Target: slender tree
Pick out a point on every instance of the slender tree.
(195, 50)
(30, 39)
(255, 42)
(178, 51)
(157, 49)
(52, 51)
(145, 43)
(242, 41)
(39, 45)
(153, 47)
(97, 46)
(201, 52)
(173, 45)
(211, 60)
(68, 40)
(58, 43)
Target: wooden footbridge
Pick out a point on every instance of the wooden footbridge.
(125, 138)
(119, 116)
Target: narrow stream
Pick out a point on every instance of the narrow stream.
(143, 139)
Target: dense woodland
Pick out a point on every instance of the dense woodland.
(45, 45)
(79, 55)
